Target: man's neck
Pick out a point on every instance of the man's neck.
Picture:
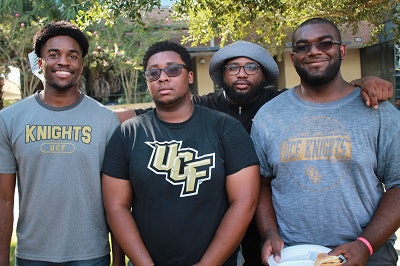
(176, 114)
(329, 92)
(59, 98)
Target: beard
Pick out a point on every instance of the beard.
(320, 78)
(243, 98)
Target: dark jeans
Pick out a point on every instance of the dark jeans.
(251, 246)
(385, 256)
(102, 261)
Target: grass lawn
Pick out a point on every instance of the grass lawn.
(12, 249)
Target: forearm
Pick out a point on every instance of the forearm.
(126, 233)
(242, 190)
(265, 213)
(229, 234)
(118, 256)
(125, 114)
(7, 189)
(386, 219)
(6, 227)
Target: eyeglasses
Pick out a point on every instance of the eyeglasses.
(249, 68)
(322, 46)
(173, 70)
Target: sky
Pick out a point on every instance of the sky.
(166, 2)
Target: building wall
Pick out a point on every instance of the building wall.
(202, 78)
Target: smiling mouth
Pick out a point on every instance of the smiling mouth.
(316, 61)
(63, 73)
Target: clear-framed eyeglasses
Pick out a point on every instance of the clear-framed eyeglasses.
(249, 68)
(172, 70)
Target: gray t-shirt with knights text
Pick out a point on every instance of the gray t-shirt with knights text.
(57, 154)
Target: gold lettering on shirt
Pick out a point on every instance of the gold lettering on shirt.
(181, 166)
(35, 133)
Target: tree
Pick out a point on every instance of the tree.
(53, 10)
(113, 59)
(19, 20)
(16, 43)
(269, 22)
(1, 92)
(115, 63)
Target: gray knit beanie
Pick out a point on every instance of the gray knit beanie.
(246, 49)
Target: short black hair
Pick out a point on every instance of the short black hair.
(165, 46)
(318, 21)
(60, 28)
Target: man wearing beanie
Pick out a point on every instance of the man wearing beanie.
(247, 73)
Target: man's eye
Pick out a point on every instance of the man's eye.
(172, 69)
(251, 67)
(301, 47)
(325, 44)
(152, 72)
(53, 55)
(232, 68)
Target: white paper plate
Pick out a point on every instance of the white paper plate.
(300, 255)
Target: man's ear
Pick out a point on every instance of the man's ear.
(40, 63)
(343, 51)
(191, 77)
(292, 57)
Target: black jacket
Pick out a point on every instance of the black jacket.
(245, 113)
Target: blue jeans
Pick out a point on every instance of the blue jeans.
(102, 261)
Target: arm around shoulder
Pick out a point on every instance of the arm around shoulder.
(374, 89)
(125, 114)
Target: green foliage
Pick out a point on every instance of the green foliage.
(120, 30)
(53, 10)
(114, 60)
(269, 22)
(111, 10)
(117, 41)
(16, 34)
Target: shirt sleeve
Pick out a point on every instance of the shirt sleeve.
(389, 147)
(116, 161)
(8, 163)
(238, 148)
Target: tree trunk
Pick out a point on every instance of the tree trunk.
(1, 93)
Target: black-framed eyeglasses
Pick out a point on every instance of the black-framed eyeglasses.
(323, 46)
(173, 70)
(249, 68)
